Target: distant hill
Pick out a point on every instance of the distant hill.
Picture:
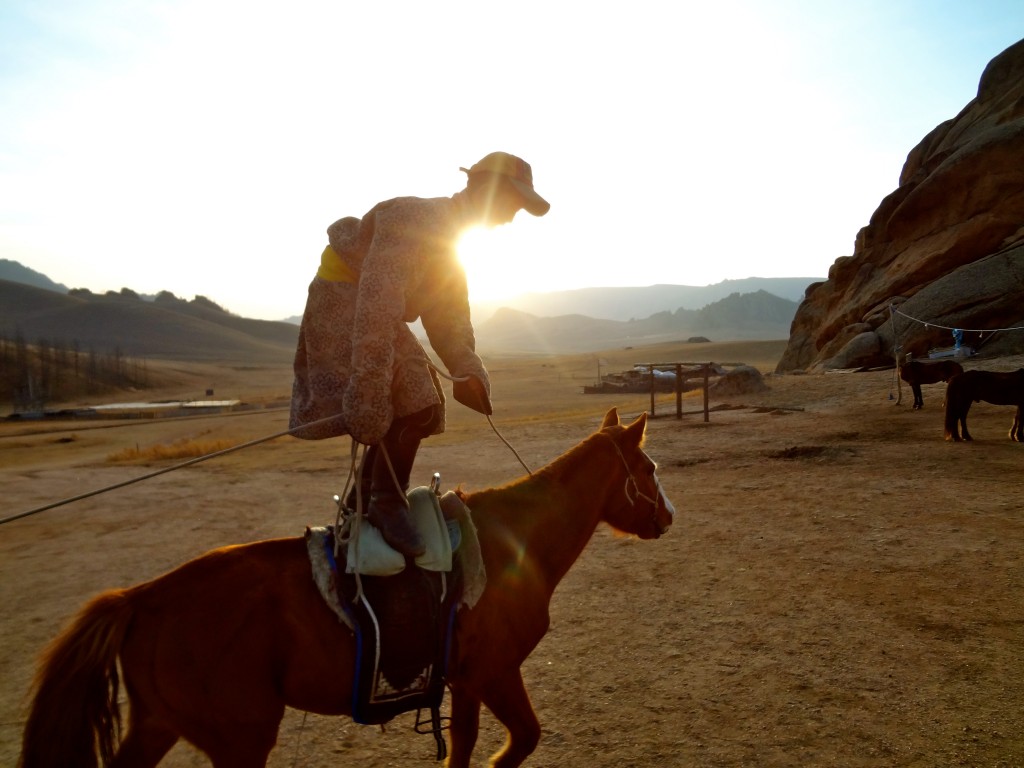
(18, 273)
(35, 307)
(758, 315)
(639, 302)
(165, 328)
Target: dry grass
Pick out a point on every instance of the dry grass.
(180, 449)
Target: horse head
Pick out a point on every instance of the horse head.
(643, 509)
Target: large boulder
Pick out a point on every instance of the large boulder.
(944, 250)
(741, 380)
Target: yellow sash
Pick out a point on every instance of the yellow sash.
(334, 269)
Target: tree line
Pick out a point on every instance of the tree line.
(53, 370)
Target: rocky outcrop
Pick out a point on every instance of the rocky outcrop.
(944, 250)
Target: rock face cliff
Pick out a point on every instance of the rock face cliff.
(944, 250)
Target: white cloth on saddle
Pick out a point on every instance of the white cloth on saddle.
(450, 507)
(368, 553)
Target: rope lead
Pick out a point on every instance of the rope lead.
(165, 470)
(225, 451)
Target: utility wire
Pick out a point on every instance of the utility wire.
(950, 328)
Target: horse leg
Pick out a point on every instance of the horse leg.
(964, 434)
(143, 750)
(918, 399)
(146, 742)
(956, 415)
(464, 727)
(243, 747)
(962, 422)
(1017, 428)
(506, 697)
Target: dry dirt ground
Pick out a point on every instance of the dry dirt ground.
(841, 586)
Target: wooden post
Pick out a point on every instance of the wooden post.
(707, 372)
(650, 369)
(897, 352)
(679, 390)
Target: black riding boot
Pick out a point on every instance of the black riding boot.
(389, 509)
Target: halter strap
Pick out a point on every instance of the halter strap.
(631, 480)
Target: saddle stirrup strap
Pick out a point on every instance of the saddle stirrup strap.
(391, 470)
(435, 728)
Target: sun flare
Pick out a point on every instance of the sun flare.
(491, 271)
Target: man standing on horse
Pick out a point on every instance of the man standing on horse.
(358, 361)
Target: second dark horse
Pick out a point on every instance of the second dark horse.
(992, 387)
(917, 372)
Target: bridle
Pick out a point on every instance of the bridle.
(632, 489)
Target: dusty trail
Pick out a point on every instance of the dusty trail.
(842, 587)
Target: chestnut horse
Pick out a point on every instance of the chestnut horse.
(992, 387)
(917, 372)
(214, 651)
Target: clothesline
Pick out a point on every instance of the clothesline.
(950, 328)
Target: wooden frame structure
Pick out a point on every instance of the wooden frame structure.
(694, 370)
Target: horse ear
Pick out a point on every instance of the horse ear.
(635, 431)
(611, 418)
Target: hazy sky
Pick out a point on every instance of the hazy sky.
(203, 147)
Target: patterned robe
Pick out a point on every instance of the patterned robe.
(357, 358)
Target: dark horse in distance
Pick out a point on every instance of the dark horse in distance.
(973, 386)
(917, 372)
(214, 651)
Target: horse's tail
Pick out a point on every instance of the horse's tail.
(74, 712)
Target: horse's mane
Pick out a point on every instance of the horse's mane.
(568, 463)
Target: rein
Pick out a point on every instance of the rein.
(501, 437)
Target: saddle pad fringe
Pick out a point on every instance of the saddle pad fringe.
(474, 576)
(320, 545)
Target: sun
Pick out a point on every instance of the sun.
(492, 269)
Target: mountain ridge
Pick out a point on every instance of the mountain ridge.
(139, 328)
(166, 326)
(19, 273)
(637, 302)
(758, 315)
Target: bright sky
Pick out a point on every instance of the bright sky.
(203, 147)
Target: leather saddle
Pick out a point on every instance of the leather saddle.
(401, 611)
